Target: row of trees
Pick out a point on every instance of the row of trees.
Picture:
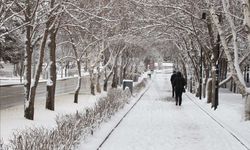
(214, 34)
(119, 34)
(91, 34)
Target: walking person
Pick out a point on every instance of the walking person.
(173, 76)
(179, 83)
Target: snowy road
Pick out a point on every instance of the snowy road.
(155, 123)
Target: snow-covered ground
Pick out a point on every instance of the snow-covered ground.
(154, 123)
(13, 118)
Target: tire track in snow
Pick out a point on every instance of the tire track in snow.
(220, 124)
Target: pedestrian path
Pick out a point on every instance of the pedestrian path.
(156, 123)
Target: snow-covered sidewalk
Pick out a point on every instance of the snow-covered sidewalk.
(156, 123)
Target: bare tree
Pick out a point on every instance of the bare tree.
(234, 62)
(36, 34)
(52, 46)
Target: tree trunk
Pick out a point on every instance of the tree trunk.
(50, 100)
(114, 80)
(223, 70)
(209, 90)
(135, 75)
(105, 85)
(92, 88)
(51, 88)
(66, 69)
(125, 71)
(29, 104)
(196, 69)
(86, 63)
(131, 72)
(121, 70)
(78, 83)
(29, 108)
(15, 70)
(184, 68)
(213, 83)
(30, 90)
(92, 84)
(234, 87)
(246, 7)
(51, 84)
(61, 70)
(27, 62)
(247, 107)
(197, 94)
(121, 74)
(33, 64)
(204, 88)
(105, 82)
(207, 71)
(98, 86)
(231, 86)
(21, 70)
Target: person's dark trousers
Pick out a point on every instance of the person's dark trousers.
(178, 97)
(173, 91)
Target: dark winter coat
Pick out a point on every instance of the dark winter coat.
(179, 82)
(173, 78)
